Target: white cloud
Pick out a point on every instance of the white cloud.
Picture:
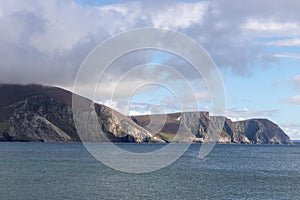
(136, 113)
(180, 15)
(286, 42)
(268, 26)
(235, 119)
(271, 27)
(294, 134)
(287, 55)
(203, 96)
(116, 8)
(237, 114)
(296, 81)
(112, 104)
(293, 100)
(292, 130)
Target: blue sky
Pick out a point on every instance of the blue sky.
(255, 44)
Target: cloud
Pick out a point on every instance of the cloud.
(46, 41)
(296, 98)
(137, 113)
(293, 130)
(112, 104)
(186, 102)
(287, 55)
(271, 27)
(294, 134)
(138, 108)
(284, 43)
(190, 14)
(296, 81)
(237, 114)
(292, 100)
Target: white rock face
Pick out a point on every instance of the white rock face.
(224, 139)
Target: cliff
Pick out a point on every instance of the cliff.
(44, 114)
(252, 131)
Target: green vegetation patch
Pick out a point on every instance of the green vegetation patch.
(170, 137)
(4, 126)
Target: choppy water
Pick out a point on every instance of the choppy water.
(68, 171)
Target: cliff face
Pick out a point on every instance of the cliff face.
(39, 118)
(259, 131)
(120, 128)
(37, 113)
(253, 131)
(45, 115)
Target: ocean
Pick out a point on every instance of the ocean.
(68, 171)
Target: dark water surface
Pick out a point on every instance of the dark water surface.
(68, 171)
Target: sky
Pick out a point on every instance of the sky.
(255, 45)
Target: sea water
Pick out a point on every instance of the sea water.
(68, 171)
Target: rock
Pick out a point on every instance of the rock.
(44, 114)
(252, 131)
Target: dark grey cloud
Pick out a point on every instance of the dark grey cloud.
(46, 41)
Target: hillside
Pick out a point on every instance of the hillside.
(252, 131)
(44, 114)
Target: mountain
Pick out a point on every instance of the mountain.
(252, 131)
(44, 114)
